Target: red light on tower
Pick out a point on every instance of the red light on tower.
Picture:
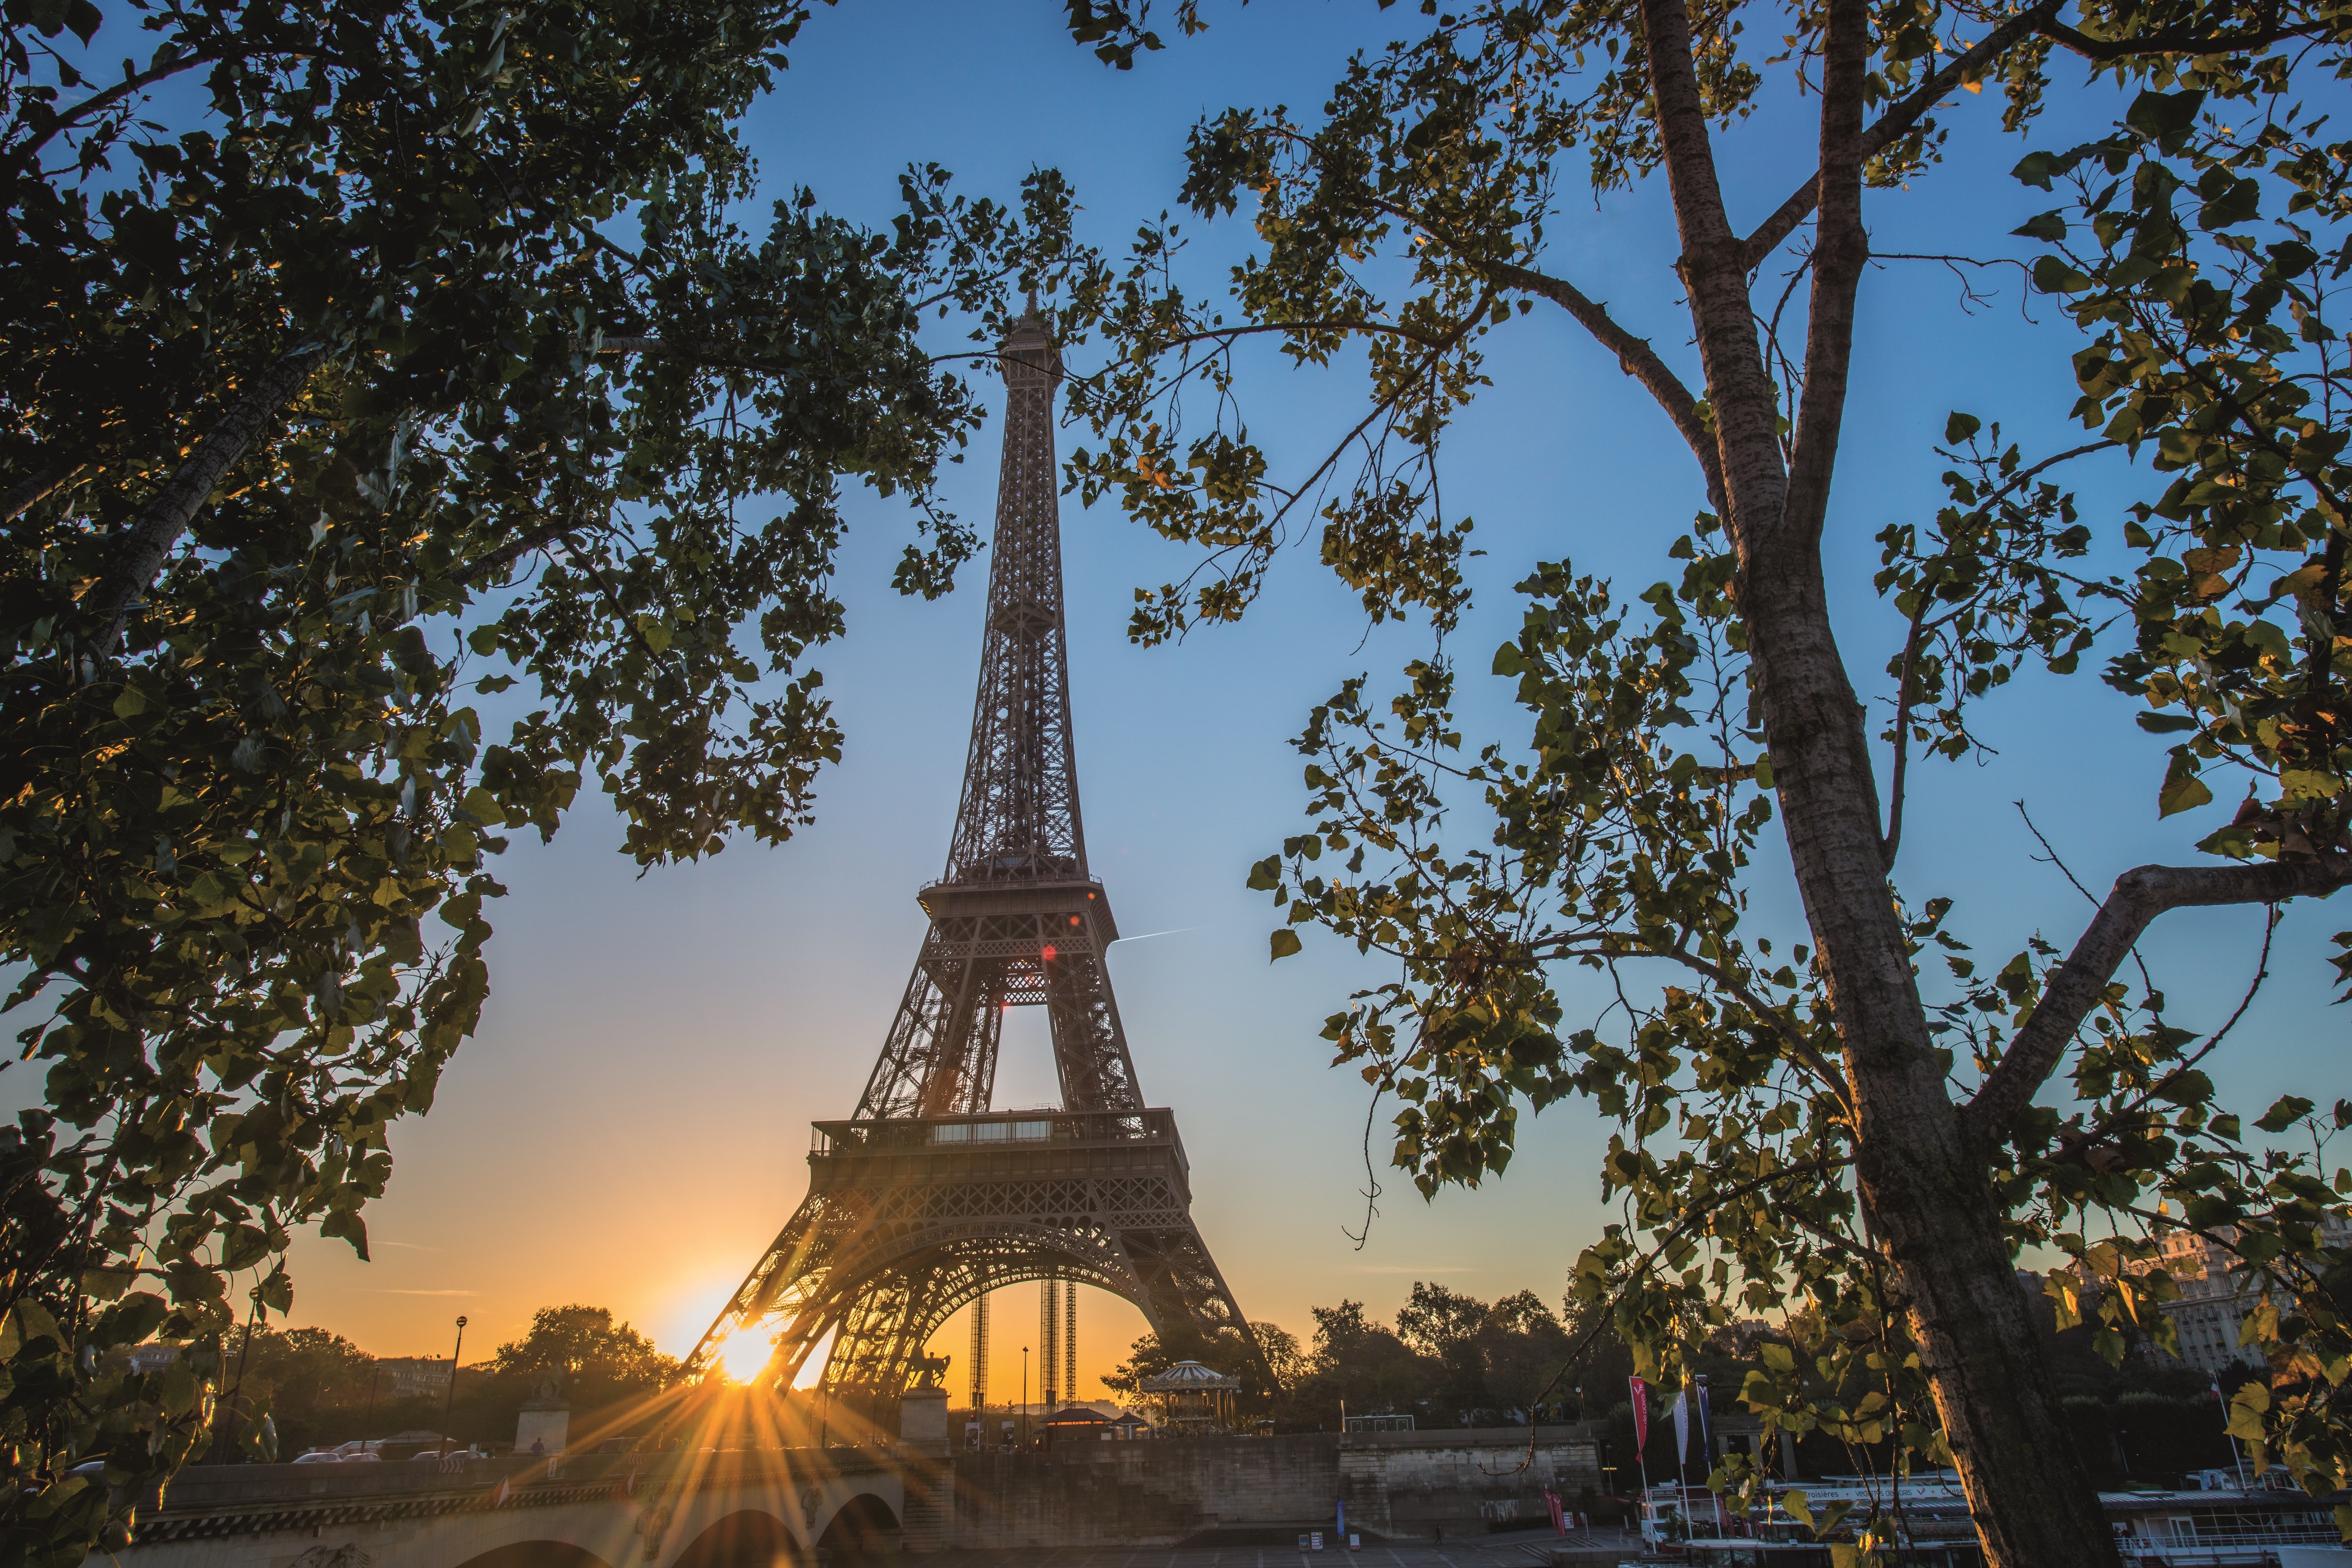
(1049, 952)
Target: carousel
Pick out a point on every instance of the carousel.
(1193, 1398)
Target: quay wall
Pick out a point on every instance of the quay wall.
(1393, 1484)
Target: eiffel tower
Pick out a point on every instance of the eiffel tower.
(927, 1199)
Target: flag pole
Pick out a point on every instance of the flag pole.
(1642, 1456)
(2237, 1456)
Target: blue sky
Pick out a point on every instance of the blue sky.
(629, 1128)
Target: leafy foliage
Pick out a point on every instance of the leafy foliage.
(1836, 1125)
(593, 1362)
(1450, 1358)
(362, 362)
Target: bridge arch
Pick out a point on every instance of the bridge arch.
(861, 1527)
(749, 1538)
(537, 1555)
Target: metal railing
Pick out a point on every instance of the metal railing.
(996, 1129)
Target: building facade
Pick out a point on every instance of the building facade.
(2216, 1296)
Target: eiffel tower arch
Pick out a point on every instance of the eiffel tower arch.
(927, 1198)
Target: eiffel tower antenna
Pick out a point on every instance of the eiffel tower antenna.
(927, 1198)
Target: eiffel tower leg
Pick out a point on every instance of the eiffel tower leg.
(795, 1283)
(896, 1087)
(939, 1058)
(966, 1074)
(1089, 1047)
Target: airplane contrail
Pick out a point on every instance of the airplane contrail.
(1147, 936)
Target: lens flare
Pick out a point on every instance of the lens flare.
(744, 1354)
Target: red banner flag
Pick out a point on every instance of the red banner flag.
(1641, 1413)
(1558, 1515)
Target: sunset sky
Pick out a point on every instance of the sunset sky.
(630, 1128)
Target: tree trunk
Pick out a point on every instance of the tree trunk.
(1921, 1174)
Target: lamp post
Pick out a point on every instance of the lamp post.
(1024, 1397)
(227, 1433)
(375, 1371)
(450, 1404)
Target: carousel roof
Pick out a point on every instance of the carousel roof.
(1188, 1377)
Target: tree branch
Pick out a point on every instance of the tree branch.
(2074, 988)
(1740, 390)
(24, 155)
(1905, 697)
(25, 492)
(1890, 843)
(2175, 43)
(142, 550)
(1799, 1047)
(1841, 254)
(1897, 121)
(507, 554)
(1634, 356)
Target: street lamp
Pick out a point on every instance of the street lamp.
(1024, 1397)
(451, 1403)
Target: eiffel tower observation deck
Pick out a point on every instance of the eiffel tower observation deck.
(927, 1199)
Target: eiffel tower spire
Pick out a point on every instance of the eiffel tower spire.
(1016, 918)
(1019, 821)
(927, 1199)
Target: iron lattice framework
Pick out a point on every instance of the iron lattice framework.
(927, 1200)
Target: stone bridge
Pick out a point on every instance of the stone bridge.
(734, 1509)
(755, 1509)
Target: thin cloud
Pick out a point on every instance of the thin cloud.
(407, 1246)
(379, 1292)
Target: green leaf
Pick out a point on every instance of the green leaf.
(2182, 790)
(2284, 1113)
(2039, 168)
(2166, 118)
(1959, 427)
(350, 1226)
(2241, 203)
(2052, 275)
(1266, 875)
(1284, 943)
(2047, 225)
(2165, 724)
(130, 1321)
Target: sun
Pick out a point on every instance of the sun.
(744, 1354)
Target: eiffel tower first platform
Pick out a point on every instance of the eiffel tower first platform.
(926, 1200)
